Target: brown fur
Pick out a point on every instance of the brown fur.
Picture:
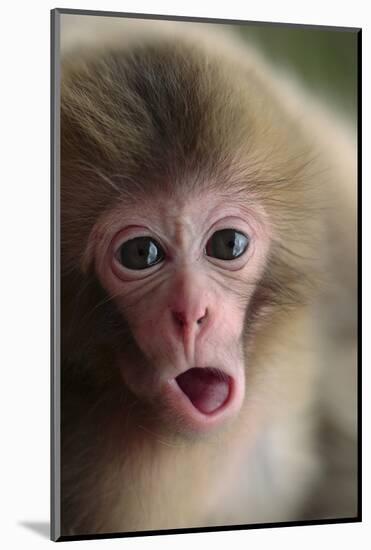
(144, 119)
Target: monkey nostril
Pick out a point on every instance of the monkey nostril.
(181, 320)
(201, 319)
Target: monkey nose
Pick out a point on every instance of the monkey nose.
(183, 320)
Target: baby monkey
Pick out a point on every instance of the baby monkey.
(208, 292)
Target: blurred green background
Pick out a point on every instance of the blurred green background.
(324, 60)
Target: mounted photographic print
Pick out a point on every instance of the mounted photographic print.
(204, 192)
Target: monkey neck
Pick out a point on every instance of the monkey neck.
(135, 471)
(133, 479)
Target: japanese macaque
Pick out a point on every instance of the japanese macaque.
(208, 242)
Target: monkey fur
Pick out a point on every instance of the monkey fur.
(161, 110)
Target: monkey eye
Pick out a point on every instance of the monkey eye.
(227, 244)
(140, 253)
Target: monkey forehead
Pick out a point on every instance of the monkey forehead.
(178, 216)
(172, 117)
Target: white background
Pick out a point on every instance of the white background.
(24, 270)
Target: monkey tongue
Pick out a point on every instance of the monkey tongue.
(206, 388)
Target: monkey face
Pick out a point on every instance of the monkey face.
(169, 178)
(181, 273)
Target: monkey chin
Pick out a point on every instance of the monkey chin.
(203, 399)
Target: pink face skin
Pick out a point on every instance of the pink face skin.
(188, 309)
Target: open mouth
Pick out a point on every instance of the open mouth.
(208, 389)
